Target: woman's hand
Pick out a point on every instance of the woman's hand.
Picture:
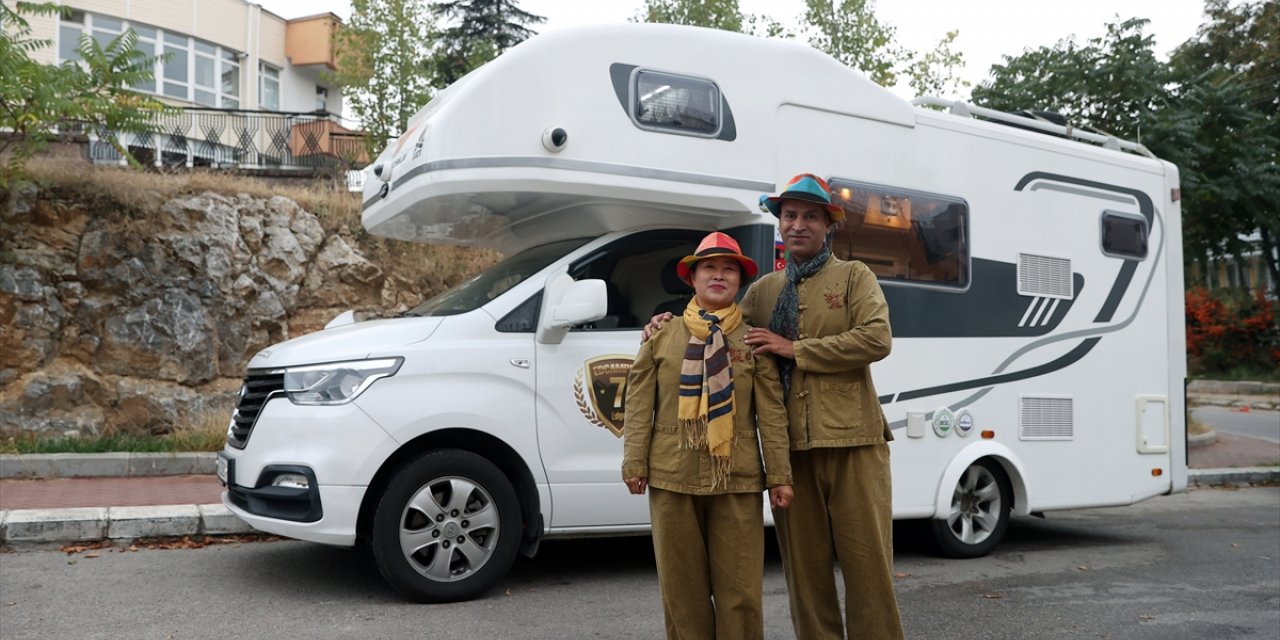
(780, 496)
(637, 485)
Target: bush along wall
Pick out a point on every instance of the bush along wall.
(1232, 334)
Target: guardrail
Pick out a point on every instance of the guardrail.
(237, 139)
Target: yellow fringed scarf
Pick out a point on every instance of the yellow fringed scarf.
(706, 385)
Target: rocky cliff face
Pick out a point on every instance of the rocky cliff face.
(142, 320)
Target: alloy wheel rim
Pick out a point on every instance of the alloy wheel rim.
(449, 529)
(975, 506)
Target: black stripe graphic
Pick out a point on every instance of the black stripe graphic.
(1066, 360)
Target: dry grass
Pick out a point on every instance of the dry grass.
(209, 433)
(141, 191)
(1195, 427)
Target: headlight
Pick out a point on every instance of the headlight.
(336, 382)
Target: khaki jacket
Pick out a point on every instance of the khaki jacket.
(654, 443)
(844, 327)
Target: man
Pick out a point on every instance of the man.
(827, 322)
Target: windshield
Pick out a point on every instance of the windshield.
(495, 280)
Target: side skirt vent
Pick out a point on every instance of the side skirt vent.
(1046, 418)
(1045, 276)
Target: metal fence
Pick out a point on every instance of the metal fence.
(236, 139)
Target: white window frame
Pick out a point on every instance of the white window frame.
(223, 58)
(263, 79)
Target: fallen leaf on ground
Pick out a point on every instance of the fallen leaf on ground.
(1146, 617)
(92, 555)
(70, 549)
(508, 593)
(992, 596)
(1083, 567)
(901, 575)
(1235, 545)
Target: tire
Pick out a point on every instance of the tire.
(447, 528)
(980, 505)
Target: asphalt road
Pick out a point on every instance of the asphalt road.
(1204, 564)
(1255, 424)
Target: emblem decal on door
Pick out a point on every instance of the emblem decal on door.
(599, 388)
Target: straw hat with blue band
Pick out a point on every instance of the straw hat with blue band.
(807, 187)
(715, 245)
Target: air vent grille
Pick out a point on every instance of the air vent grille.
(1046, 419)
(1044, 276)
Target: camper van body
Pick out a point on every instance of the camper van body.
(1034, 284)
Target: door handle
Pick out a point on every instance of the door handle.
(523, 363)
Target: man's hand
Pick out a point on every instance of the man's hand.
(637, 485)
(766, 341)
(780, 496)
(655, 324)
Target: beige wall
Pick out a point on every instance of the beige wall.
(271, 40)
(44, 28)
(223, 22)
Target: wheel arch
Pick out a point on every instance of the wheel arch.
(998, 453)
(512, 465)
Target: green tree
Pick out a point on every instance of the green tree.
(850, 32)
(1222, 128)
(713, 14)
(480, 31)
(39, 100)
(384, 61)
(1113, 83)
(933, 73)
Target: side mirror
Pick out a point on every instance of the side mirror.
(566, 302)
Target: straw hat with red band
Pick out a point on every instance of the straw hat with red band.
(715, 245)
(807, 187)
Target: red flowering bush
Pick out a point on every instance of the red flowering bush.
(1232, 330)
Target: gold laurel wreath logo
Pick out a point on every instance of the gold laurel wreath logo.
(579, 396)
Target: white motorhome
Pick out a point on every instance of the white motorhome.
(1033, 275)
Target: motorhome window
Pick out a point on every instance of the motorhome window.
(1124, 235)
(633, 270)
(496, 280)
(677, 104)
(902, 235)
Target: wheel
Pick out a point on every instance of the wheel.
(979, 514)
(447, 528)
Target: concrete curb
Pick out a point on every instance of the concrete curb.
(117, 523)
(92, 465)
(1231, 477)
(1202, 439)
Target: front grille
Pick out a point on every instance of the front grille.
(259, 387)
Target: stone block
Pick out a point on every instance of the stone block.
(55, 525)
(172, 464)
(217, 519)
(26, 466)
(146, 522)
(76, 465)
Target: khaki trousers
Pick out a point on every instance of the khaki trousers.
(710, 548)
(843, 507)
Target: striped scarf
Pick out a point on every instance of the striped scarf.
(786, 313)
(706, 385)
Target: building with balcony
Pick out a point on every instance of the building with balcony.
(249, 88)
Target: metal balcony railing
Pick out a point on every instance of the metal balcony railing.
(238, 139)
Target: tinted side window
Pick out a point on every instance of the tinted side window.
(676, 103)
(903, 235)
(1124, 235)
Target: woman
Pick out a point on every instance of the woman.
(694, 396)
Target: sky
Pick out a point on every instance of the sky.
(988, 29)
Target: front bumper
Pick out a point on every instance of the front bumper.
(338, 449)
